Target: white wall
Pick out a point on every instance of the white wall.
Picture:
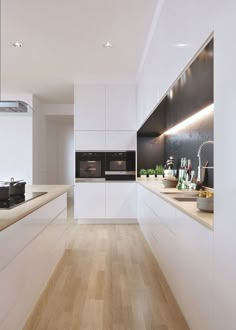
(39, 143)
(58, 109)
(191, 22)
(60, 149)
(16, 147)
(16, 142)
(51, 156)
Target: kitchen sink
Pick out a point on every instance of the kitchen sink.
(169, 192)
(186, 194)
(185, 199)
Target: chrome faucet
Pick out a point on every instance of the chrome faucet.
(199, 158)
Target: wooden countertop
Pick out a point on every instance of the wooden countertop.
(190, 208)
(8, 217)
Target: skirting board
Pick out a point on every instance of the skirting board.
(104, 221)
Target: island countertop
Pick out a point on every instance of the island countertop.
(10, 216)
(190, 208)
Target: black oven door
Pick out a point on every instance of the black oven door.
(90, 166)
(120, 166)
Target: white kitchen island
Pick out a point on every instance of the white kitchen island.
(32, 241)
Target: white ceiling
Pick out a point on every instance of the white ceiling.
(63, 43)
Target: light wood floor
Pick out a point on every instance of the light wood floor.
(107, 279)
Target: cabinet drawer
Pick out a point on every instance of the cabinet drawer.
(14, 238)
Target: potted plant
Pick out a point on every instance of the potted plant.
(159, 172)
(143, 174)
(151, 173)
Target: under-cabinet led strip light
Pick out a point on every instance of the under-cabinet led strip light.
(199, 115)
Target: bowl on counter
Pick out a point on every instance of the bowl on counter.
(205, 204)
(170, 183)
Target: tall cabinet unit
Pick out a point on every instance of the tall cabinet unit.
(105, 120)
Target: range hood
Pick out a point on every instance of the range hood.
(14, 106)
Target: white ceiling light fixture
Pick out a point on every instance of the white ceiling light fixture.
(107, 45)
(17, 44)
(199, 115)
(181, 45)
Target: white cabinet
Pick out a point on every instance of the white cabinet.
(183, 249)
(105, 117)
(105, 202)
(90, 107)
(32, 246)
(90, 140)
(121, 200)
(118, 140)
(121, 107)
(89, 200)
(194, 271)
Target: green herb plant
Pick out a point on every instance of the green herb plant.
(143, 172)
(159, 170)
(151, 171)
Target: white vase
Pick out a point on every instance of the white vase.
(143, 177)
(151, 176)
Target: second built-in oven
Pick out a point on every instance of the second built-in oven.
(120, 165)
(90, 166)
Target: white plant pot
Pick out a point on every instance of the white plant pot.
(159, 177)
(143, 177)
(152, 177)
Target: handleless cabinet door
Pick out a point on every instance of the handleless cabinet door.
(194, 271)
(90, 107)
(118, 140)
(90, 140)
(89, 200)
(121, 107)
(121, 200)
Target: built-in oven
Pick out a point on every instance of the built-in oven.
(90, 166)
(120, 165)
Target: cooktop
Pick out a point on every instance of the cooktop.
(16, 200)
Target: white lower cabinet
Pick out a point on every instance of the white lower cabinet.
(194, 266)
(183, 249)
(89, 200)
(105, 200)
(33, 247)
(121, 200)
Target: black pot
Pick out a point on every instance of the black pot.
(17, 187)
(5, 191)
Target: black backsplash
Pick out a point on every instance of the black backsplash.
(187, 142)
(150, 152)
(192, 92)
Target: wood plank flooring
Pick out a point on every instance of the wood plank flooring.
(108, 279)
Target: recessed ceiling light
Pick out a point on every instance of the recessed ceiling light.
(107, 45)
(181, 44)
(17, 44)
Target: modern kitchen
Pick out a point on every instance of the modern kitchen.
(117, 135)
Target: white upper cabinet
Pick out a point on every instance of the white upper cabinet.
(117, 140)
(121, 107)
(90, 140)
(90, 107)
